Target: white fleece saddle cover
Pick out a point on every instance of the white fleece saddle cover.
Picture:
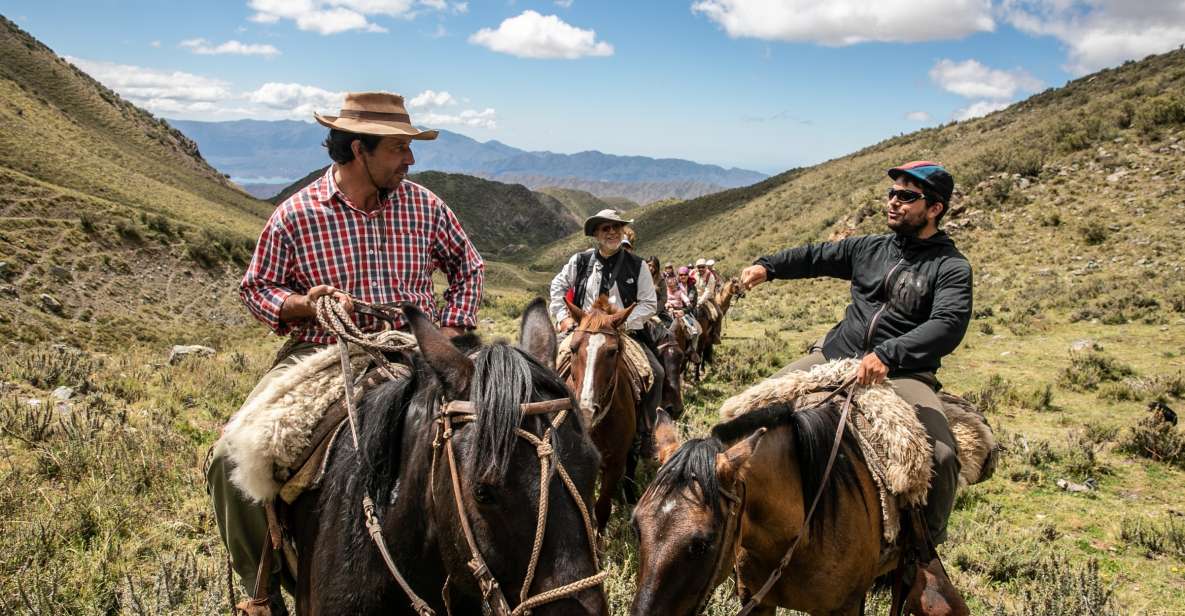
(891, 438)
(268, 435)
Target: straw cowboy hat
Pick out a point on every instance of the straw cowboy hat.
(374, 113)
(590, 223)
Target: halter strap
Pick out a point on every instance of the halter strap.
(462, 412)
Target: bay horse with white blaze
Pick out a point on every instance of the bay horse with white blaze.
(601, 380)
(459, 457)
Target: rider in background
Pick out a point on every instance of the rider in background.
(679, 305)
(706, 282)
(688, 285)
(609, 270)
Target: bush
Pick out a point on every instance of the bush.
(1157, 112)
(1087, 371)
(128, 231)
(1155, 439)
(1093, 232)
(1154, 538)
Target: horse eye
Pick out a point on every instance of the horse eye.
(484, 494)
(699, 546)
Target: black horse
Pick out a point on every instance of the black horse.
(406, 473)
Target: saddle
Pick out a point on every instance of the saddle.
(891, 438)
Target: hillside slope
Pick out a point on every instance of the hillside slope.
(107, 209)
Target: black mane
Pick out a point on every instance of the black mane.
(693, 464)
(504, 378)
(814, 435)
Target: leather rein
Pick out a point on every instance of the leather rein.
(454, 415)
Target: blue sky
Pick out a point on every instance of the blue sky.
(760, 84)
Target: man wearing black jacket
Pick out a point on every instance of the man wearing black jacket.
(911, 303)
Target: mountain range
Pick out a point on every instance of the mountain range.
(264, 156)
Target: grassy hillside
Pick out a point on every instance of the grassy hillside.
(583, 204)
(107, 209)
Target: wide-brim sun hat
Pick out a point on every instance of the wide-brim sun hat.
(710, 262)
(608, 215)
(928, 174)
(374, 113)
(700, 262)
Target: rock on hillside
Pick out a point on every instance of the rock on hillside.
(108, 210)
(501, 219)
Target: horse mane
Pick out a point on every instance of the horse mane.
(692, 464)
(813, 430)
(382, 413)
(504, 378)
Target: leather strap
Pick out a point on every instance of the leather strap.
(776, 575)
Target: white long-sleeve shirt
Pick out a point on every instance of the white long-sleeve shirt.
(647, 304)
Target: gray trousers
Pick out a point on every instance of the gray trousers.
(242, 523)
(919, 392)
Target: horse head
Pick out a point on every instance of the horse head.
(733, 289)
(597, 355)
(688, 522)
(501, 414)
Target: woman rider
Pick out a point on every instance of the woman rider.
(609, 270)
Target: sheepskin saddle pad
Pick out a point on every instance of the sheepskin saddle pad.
(271, 437)
(891, 438)
(641, 376)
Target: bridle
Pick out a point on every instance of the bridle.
(732, 530)
(454, 415)
(613, 381)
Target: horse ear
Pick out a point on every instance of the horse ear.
(574, 311)
(451, 366)
(620, 317)
(666, 437)
(536, 335)
(730, 463)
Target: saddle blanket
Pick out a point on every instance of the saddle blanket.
(890, 436)
(268, 435)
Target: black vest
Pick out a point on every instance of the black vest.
(627, 279)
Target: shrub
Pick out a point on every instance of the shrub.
(1093, 232)
(1155, 538)
(1087, 371)
(1155, 439)
(1157, 112)
(1060, 588)
(128, 231)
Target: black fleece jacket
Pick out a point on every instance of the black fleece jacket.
(911, 298)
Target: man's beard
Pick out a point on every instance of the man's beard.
(905, 226)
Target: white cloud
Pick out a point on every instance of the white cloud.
(1101, 33)
(848, 22)
(566, 4)
(155, 44)
(486, 118)
(151, 87)
(294, 100)
(336, 16)
(917, 116)
(979, 108)
(432, 98)
(531, 35)
(974, 80)
(194, 97)
(204, 47)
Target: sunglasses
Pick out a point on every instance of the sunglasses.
(904, 196)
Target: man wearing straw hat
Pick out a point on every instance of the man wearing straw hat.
(360, 231)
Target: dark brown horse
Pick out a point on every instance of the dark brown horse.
(600, 378)
(672, 352)
(406, 471)
(724, 501)
(712, 325)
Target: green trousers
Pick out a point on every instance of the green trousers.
(918, 390)
(242, 523)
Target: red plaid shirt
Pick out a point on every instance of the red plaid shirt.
(317, 237)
